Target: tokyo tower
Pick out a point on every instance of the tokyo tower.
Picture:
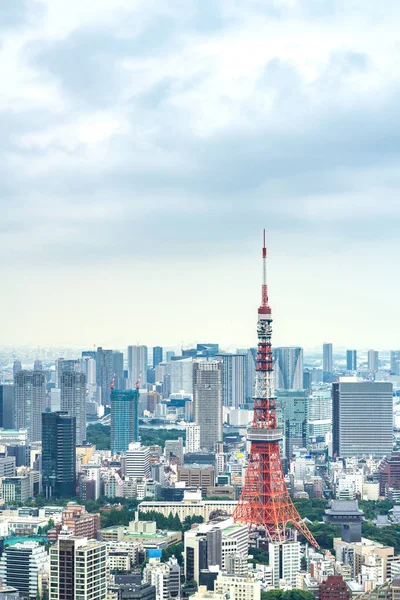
(265, 502)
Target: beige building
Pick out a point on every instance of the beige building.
(141, 532)
(238, 588)
(375, 557)
(119, 560)
(203, 594)
(198, 476)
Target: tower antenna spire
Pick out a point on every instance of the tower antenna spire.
(264, 289)
(265, 504)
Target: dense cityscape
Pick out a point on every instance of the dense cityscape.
(155, 474)
(199, 355)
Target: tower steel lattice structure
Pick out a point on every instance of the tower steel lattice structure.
(265, 503)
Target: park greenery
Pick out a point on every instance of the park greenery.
(288, 595)
(99, 435)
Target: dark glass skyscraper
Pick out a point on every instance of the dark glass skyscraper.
(7, 418)
(124, 419)
(58, 455)
(351, 360)
(157, 355)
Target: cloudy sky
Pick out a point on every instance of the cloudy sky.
(145, 144)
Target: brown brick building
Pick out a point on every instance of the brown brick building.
(334, 588)
(80, 522)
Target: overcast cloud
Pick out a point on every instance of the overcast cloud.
(145, 144)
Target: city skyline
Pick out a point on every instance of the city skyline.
(180, 123)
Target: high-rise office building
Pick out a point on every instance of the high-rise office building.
(395, 362)
(319, 414)
(104, 373)
(233, 379)
(87, 365)
(294, 407)
(192, 437)
(137, 364)
(65, 366)
(137, 462)
(37, 365)
(362, 418)
(284, 559)
(181, 375)
(157, 356)
(288, 368)
(373, 360)
(351, 360)
(29, 402)
(207, 399)
(327, 358)
(78, 569)
(7, 417)
(73, 401)
(58, 455)
(124, 419)
(118, 364)
(20, 566)
(17, 367)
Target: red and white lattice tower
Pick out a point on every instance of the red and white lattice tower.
(265, 503)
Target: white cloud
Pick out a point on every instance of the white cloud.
(146, 143)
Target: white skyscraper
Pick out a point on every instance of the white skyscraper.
(192, 437)
(87, 365)
(137, 463)
(288, 368)
(373, 360)
(284, 558)
(234, 388)
(181, 372)
(137, 364)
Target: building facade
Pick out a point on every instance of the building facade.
(327, 358)
(192, 437)
(137, 364)
(73, 400)
(20, 566)
(58, 455)
(351, 360)
(234, 379)
(124, 419)
(78, 569)
(29, 402)
(207, 399)
(137, 462)
(362, 418)
(288, 368)
(373, 361)
(157, 356)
